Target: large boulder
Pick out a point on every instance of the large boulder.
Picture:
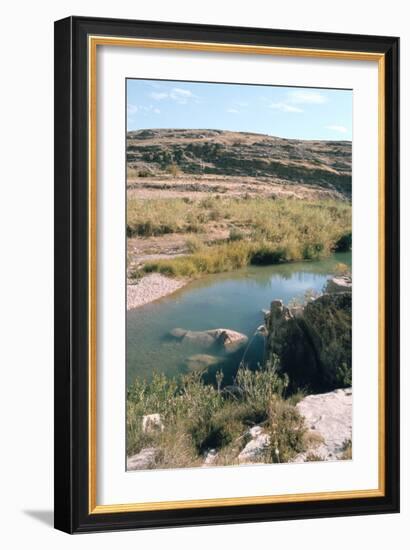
(230, 340)
(226, 339)
(329, 416)
(339, 284)
(199, 337)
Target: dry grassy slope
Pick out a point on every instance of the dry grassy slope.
(325, 164)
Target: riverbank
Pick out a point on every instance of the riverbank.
(151, 288)
(187, 238)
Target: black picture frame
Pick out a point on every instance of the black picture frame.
(71, 490)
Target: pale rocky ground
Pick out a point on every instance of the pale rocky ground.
(142, 460)
(259, 442)
(151, 288)
(199, 187)
(328, 415)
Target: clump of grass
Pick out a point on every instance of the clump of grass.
(173, 169)
(223, 257)
(212, 259)
(199, 416)
(194, 244)
(341, 269)
(344, 243)
(236, 234)
(347, 450)
(319, 225)
(136, 274)
(287, 431)
(313, 457)
(271, 231)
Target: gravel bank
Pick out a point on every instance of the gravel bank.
(150, 288)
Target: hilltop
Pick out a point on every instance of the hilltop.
(238, 162)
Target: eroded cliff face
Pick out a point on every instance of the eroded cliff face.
(314, 342)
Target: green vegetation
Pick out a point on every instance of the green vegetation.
(220, 234)
(347, 450)
(199, 417)
(272, 219)
(329, 323)
(173, 169)
(261, 231)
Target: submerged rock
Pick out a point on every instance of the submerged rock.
(329, 415)
(201, 338)
(178, 332)
(143, 460)
(202, 361)
(229, 340)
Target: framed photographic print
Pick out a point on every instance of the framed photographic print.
(226, 274)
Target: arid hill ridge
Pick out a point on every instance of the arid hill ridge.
(322, 164)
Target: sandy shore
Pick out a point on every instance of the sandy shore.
(150, 288)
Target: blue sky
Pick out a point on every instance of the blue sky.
(289, 112)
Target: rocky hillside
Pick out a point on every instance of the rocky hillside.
(322, 164)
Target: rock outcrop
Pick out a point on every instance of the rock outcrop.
(321, 164)
(256, 447)
(152, 423)
(339, 284)
(313, 342)
(143, 460)
(329, 416)
(210, 458)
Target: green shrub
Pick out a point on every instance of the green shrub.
(279, 231)
(144, 173)
(173, 169)
(347, 450)
(236, 235)
(287, 431)
(198, 416)
(344, 243)
(266, 254)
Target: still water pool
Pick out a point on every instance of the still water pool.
(229, 300)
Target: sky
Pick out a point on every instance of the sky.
(289, 112)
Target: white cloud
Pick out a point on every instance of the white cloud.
(158, 95)
(337, 128)
(179, 95)
(293, 100)
(285, 107)
(132, 109)
(141, 109)
(232, 110)
(302, 97)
